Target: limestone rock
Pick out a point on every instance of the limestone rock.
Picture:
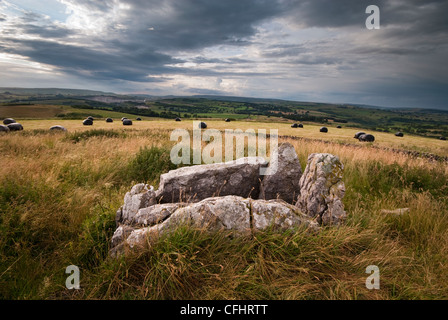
(192, 184)
(139, 197)
(278, 215)
(282, 176)
(322, 189)
(154, 214)
(241, 215)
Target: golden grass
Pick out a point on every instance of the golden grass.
(65, 194)
(310, 131)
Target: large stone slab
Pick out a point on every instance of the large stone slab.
(192, 184)
(241, 215)
(322, 189)
(282, 176)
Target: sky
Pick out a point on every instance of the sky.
(303, 50)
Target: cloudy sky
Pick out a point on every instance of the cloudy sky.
(307, 50)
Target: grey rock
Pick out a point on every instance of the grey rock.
(282, 176)
(278, 215)
(240, 215)
(154, 214)
(192, 184)
(140, 196)
(322, 189)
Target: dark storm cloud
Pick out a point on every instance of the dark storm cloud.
(89, 62)
(151, 41)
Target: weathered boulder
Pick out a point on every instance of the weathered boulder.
(241, 215)
(8, 121)
(322, 189)
(154, 214)
(15, 126)
(4, 128)
(57, 128)
(191, 184)
(282, 176)
(140, 196)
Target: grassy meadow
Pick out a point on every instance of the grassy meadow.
(59, 193)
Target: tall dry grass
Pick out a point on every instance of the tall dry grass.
(59, 194)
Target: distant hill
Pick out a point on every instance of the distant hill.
(52, 91)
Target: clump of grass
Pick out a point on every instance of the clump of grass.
(76, 137)
(149, 163)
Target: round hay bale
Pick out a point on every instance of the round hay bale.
(178, 119)
(127, 122)
(57, 128)
(399, 134)
(9, 121)
(300, 125)
(139, 119)
(294, 125)
(202, 125)
(442, 138)
(90, 118)
(366, 138)
(124, 118)
(109, 120)
(358, 134)
(227, 120)
(4, 128)
(87, 122)
(15, 126)
(338, 127)
(323, 129)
